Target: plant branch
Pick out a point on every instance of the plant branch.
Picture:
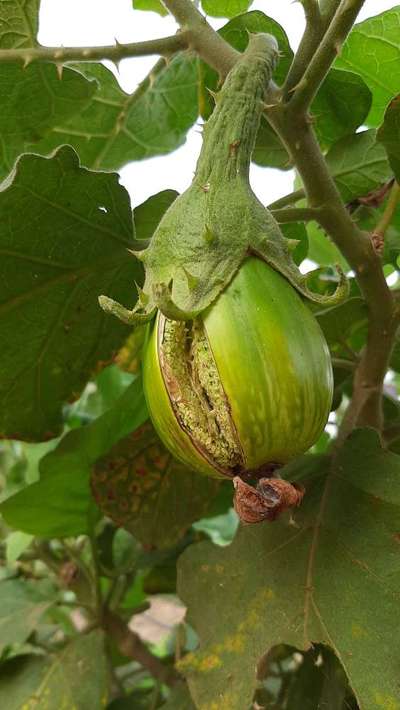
(295, 214)
(201, 37)
(324, 56)
(115, 53)
(390, 209)
(131, 646)
(308, 44)
(286, 200)
(298, 136)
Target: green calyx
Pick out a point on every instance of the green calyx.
(209, 230)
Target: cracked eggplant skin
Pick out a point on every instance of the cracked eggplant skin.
(274, 366)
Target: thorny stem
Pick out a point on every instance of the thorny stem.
(297, 134)
(164, 46)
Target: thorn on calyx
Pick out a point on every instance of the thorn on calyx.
(192, 280)
(214, 94)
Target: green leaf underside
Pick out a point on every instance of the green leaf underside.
(372, 50)
(64, 235)
(358, 164)
(141, 487)
(331, 578)
(21, 609)
(116, 128)
(75, 677)
(60, 503)
(18, 23)
(389, 135)
(34, 98)
(34, 101)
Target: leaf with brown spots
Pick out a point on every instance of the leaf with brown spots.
(142, 488)
(332, 577)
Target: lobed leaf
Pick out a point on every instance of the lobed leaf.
(331, 578)
(60, 503)
(19, 23)
(116, 127)
(64, 235)
(389, 135)
(358, 164)
(21, 609)
(372, 50)
(140, 486)
(75, 677)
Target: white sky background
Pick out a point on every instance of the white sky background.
(99, 22)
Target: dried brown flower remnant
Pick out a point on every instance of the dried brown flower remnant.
(265, 502)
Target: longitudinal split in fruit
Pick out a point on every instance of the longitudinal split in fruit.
(197, 396)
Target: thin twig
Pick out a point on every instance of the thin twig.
(131, 646)
(390, 209)
(327, 51)
(309, 42)
(286, 200)
(115, 53)
(295, 214)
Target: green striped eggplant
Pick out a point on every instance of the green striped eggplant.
(247, 383)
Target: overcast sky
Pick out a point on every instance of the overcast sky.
(98, 22)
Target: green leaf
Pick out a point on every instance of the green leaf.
(116, 127)
(333, 578)
(179, 699)
(341, 106)
(148, 215)
(225, 8)
(19, 23)
(152, 5)
(141, 488)
(321, 249)
(340, 322)
(34, 101)
(60, 503)
(372, 50)
(358, 164)
(76, 677)
(64, 235)
(34, 98)
(389, 135)
(21, 608)
(297, 231)
(16, 544)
